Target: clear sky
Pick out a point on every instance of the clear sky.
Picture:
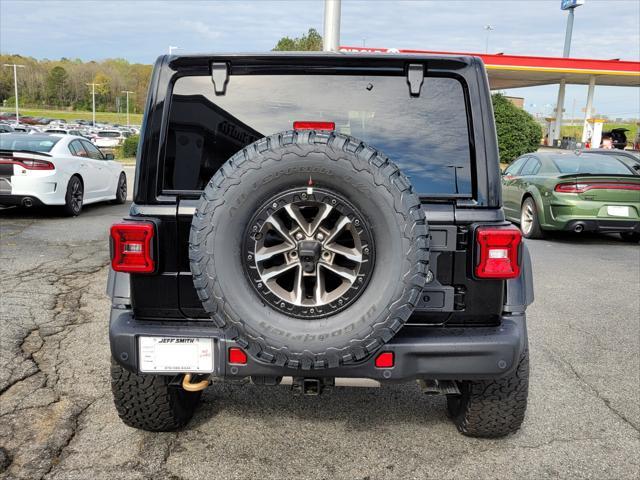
(141, 30)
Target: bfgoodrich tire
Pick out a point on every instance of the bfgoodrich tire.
(492, 408)
(148, 402)
(307, 178)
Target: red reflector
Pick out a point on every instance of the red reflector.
(583, 187)
(498, 252)
(304, 125)
(237, 356)
(385, 360)
(131, 247)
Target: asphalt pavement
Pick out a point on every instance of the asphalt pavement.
(58, 420)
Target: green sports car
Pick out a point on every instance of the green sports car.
(573, 192)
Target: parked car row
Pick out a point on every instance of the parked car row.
(589, 190)
(105, 136)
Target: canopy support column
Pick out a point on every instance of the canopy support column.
(588, 108)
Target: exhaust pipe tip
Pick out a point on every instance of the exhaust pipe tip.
(27, 202)
(579, 228)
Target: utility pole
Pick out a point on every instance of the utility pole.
(93, 98)
(571, 6)
(488, 28)
(127, 92)
(15, 85)
(331, 34)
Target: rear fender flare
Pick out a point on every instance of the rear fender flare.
(519, 290)
(534, 193)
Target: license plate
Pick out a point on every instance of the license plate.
(617, 211)
(175, 354)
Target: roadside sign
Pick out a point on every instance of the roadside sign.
(569, 4)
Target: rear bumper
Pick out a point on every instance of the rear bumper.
(420, 352)
(20, 200)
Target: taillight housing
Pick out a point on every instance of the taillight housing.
(132, 247)
(498, 252)
(29, 163)
(308, 125)
(584, 187)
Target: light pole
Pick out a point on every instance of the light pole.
(15, 84)
(571, 6)
(127, 92)
(488, 28)
(172, 48)
(331, 33)
(93, 100)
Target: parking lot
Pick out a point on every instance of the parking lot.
(58, 420)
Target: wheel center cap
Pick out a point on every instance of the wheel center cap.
(309, 253)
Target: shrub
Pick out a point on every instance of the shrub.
(518, 132)
(130, 146)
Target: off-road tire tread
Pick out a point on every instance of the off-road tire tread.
(149, 403)
(492, 408)
(388, 179)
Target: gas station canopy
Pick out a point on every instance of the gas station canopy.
(515, 71)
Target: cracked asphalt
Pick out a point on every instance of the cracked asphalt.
(58, 421)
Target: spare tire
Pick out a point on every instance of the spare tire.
(309, 249)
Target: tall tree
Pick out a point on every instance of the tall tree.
(312, 41)
(56, 89)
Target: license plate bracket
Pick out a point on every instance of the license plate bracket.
(175, 354)
(618, 211)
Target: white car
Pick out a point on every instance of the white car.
(60, 170)
(110, 138)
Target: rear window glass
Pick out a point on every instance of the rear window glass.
(426, 136)
(29, 143)
(590, 164)
(109, 134)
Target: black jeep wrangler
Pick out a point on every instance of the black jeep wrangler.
(318, 220)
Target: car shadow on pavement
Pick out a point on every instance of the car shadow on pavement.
(357, 408)
(49, 213)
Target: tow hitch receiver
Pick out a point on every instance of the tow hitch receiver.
(307, 386)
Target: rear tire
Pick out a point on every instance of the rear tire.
(630, 237)
(148, 402)
(74, 197)
(492, 408)
(529, 222)
(121, 190)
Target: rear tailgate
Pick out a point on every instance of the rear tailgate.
(453, 297)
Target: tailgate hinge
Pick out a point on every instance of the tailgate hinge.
(220, 77)
(415, 78)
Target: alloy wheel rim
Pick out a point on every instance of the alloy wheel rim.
(76, 196)
(122, 188)
(527, 218)
(308, 254)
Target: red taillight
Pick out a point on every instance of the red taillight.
(29, 163)
(305, 125)
(385, 360)
(584, 187)
(237, 356)
(498, 252)
(131, 247)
